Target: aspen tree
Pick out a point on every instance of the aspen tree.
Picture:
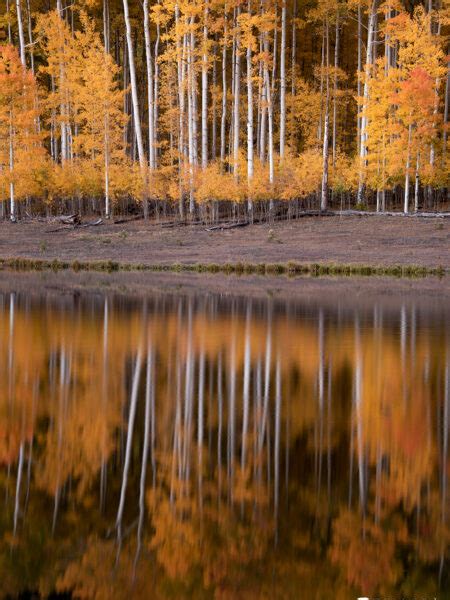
(325, 154)
(205, 88)
(98, 100)
(367, 72)
(18, 92)
(283, 80)
(249, 43)
(135, 103)
(192, 71)
(236, 92)
(21, 35)
(150, 88)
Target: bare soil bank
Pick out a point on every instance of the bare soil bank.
(352, 240)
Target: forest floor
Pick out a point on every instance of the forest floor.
(348, 240)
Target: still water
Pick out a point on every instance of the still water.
(211, 447)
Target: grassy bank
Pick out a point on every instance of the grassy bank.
(290, 269)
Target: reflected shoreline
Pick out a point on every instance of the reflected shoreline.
(428, 291)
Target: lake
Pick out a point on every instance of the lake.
(210, 445)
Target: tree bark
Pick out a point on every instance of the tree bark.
(237, 90)
(21, 36)
(367, 73)
(249, 118)
(205, 89)
(150, 83)
(134, 90)
(325, 152)
(283, 82)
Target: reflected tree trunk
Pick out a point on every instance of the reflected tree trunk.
(126, 465)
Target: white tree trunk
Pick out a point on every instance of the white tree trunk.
(250, 165)
(269, 112)
(181, 101)
(417, 184)
(223, 120)
(367, 70)
(156, 93)
(335, 86)
(325, 152)
(446, 103)
(408, 165)
(126, 465)
(21, 36)
(205, 90)
(283, 82)
(237, 96)
(12, 200)
(30, 36)
(151, 106)
(106, 42)
(106, 162)
(134, 90)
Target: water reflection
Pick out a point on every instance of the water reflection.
(210, 447)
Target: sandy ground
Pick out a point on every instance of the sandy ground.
(351, 239)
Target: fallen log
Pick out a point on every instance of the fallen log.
(70, 219)
(128, 220)
(227, 226)
(77, 226)
(371, 213)
(92, 223)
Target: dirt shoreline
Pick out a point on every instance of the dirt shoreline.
(377, 241)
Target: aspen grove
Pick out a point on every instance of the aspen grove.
(205, 109)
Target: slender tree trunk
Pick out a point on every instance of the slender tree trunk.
(408, 165)
(214, 103)
(126, 465)
(324, 191)
(294, 48)
(436, 107)
(30, 36)
(276, 453)
(135, 103)
(246, 389)
(150, 84)
(156, 95)
(205, 89)
(223, 120)
(237, 96)
(106, 26)
(322, 70)
(106, 163)
(181, 104)
(8, 16)
(21, 36)
(12, 200)
(446, 103)
(367, 74)
(358, 118)
(18, 487)
(145, 448)
(191, 116)
(249, 120)
(417, 184)
(269, 112)
(283, 82)
(335, 87)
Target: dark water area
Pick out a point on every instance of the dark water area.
(205, 446)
